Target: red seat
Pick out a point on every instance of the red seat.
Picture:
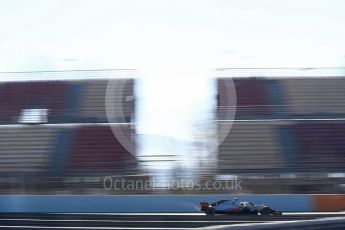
(16, 96)
(321, 145)
(252, 96)
(95, 148)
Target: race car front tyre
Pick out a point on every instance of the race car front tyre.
(265, 211)
(277, 213)
(210, 211)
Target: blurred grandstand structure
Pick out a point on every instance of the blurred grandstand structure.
(288, 135)
(75, 143)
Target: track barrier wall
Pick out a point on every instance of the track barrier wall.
(325, 203)
(146, 203)
(160, 203)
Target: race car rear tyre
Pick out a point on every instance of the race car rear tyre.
(265, 211)
(256, 212)
(210, 211)
(277, 213)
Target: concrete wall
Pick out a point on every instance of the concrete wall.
(142, 203)
(324, 203)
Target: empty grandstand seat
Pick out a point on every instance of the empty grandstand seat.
(321, 145)
(252, 96)
(15, 96)
(95, 148)
(26, 148)
(249, 145)
(93, 104)
(314, 95)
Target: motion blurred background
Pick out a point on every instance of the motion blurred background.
(172, 91)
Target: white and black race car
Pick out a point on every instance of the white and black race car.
(236, 207)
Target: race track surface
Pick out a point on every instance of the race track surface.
(141, 221)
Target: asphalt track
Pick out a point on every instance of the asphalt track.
(108, 221)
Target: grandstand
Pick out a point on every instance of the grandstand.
(74, 143)
(250, 146)
(287, 135)
(286, 123)
(315, 97)
(26, 149)
(251, 94)
(321, 145)
(14, 97)
(95, 149)
(93, 109)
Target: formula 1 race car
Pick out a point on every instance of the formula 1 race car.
(235, 207)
